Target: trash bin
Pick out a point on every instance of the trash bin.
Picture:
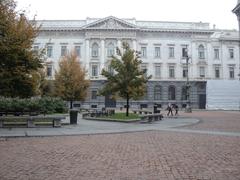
(155, 109)
(73, 116)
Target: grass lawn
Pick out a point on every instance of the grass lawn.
(122, 116)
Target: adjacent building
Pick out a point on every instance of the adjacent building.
(214, 55)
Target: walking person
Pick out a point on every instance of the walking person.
(169, 108)
(176, 109)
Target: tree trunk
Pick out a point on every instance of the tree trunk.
(127, 109)
(71, 104)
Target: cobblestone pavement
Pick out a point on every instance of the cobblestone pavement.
(228, 121)
(148, 155)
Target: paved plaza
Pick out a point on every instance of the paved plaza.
(200, 145)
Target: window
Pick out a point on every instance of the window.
(184, 52)
(184, 72)
(143, 52)
(171, 93)
(231, 72)
(63, 50)
(49, 71)
(95, 50)
(231, 53)
(78, 51)
(157, 92)
(110, 50)
(157, 52)
(171, 52)
(49, 51)
(184, 93)
(202, 71)
(94, 94)
(171, 71)
(94, 70)
(144, 69)
(216, 53)
(217, 72)
(157, 71)
(35, 50)
(201, 52)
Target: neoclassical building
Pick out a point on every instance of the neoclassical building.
(213, 54)
(236, 10)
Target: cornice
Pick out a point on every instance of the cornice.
(236, 10)
(191, 31)
(133, 30)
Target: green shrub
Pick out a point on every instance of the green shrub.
(5, 104)
(46, 105)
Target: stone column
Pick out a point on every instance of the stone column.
(236, 11)
(102, 58)
(134, 44)
(238, 17)
(87, 56)
(119, 43)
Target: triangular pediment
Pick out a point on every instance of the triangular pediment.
(110, 23)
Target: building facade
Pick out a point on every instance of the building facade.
(214, 54)
(236, 10)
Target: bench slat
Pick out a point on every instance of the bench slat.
(31, 121)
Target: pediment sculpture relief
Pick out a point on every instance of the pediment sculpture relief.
(110, 24)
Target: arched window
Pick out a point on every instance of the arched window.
(95, 50)
(157, 92)
(184, 93)
(171, 93)
(110, 50)
(201, 53)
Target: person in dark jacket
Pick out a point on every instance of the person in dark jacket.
(169, 109)
(176, 109)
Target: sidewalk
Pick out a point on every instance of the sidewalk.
(95, 127)
(103, 127)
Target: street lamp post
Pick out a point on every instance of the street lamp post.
(188, 86)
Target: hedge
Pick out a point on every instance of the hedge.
(46, 105)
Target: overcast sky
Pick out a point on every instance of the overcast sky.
(217, 12)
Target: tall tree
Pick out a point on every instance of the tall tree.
(46, 87)
(19, 64)
(70, 82)
(126, 79)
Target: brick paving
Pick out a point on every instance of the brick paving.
(228, 121)
(149, 155)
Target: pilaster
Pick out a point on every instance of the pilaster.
(102, 58)
(134, 44)
(119, 43)
(87, 55)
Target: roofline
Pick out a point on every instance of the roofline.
(133, 29)
(109, 17)
(236, 8)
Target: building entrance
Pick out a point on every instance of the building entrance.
(202, 101)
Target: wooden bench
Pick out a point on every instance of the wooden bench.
(30, 121)
(150, 118)
(140, 111)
